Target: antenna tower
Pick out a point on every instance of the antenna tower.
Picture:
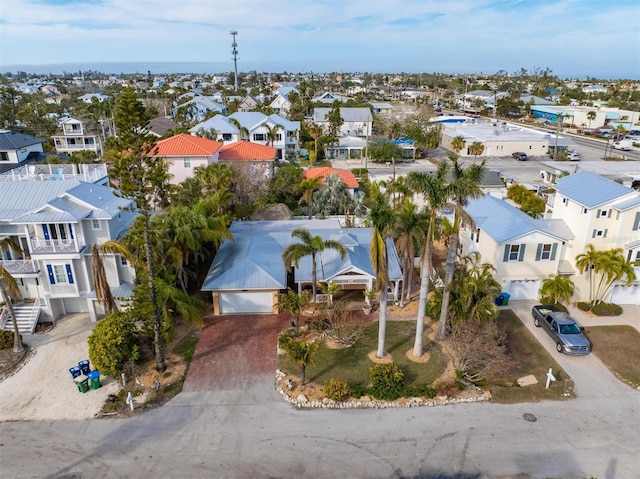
(234, 52)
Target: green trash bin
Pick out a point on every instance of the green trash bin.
(505, 299)
(82, 384)
(94, 377)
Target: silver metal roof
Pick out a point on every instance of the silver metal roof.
(591, 190)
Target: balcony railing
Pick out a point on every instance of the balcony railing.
(20, 266)
(43, 172)
(42, 246)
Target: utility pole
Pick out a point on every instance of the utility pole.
(234, 52)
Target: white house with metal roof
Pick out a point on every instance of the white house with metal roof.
(523, 250)
(605, 214)
(15, 148)
(54, 217)
(356, 121)
(248, 273)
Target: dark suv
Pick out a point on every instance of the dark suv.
(519, 155)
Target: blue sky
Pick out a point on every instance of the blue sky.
(574, 38)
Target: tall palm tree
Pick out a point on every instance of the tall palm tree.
(458, 143)
(308, 187)
(309, 246)
(382, 218)
(591, 115)
(476, 148)
(557, 289)
(433, 188)
(464, 183)
(316, 133)
(587, 262)
(100, 283)
(243, 131)
(272, 133)
(409, 232)
(8, 290)
(613, 266)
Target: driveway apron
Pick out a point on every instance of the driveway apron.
(234, 351)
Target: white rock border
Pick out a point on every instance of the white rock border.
(301, 402)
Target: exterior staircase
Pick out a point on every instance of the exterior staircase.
(27, 314)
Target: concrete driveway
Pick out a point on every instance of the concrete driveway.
(590, 375)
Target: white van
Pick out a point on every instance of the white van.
(573, 155)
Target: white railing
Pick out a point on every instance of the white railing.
(20, 266)
(35, 314)
(42, 246)
(43, 172)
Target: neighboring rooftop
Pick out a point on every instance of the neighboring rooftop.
(247, 151)
(186, 145)
(591, 190)
(13, 140)
(347, 176)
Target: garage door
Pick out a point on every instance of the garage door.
(246, 302)
(524, 289)
(625, 294)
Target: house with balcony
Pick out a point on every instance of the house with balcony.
(53, 218)
(605, 214)
(281, 103)
(524, 251)
(356, 121)
(78, 134)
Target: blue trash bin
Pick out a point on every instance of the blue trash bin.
(75, 372)
(499, 299)
(84, 366)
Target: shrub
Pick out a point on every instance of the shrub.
(419, 390)
(606, 309)
(336, 389)
(387, 381)
(113, 343)
(6, 339)
(583, 306)
(359, 390)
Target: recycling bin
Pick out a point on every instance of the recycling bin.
(84, 366)
(499, 300)
(82, 384)
(94, 378)
(75, 372)
(505, 299)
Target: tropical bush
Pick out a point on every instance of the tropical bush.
(6, 339)
(583, 306)
(387, 381)
(336, 389)
(113, 343)
(606, 309)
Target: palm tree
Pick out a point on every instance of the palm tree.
(243, 132)
(272, 132)
(434, 190)
(591, 115)
(209, 133)
(458, 143)
(308, 186)
(557, 289)
(613, 266)
(300, 352)
(294, 303)
(9, 289)
(382, 218)
(316, 133)
(309, 246)
(587, 262)
(476, 148)
(409, 230)
(463, 184)
(100, 283)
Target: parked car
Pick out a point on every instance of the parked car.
(573, 155)
(519, 155)
(623, 145)
(563, 329)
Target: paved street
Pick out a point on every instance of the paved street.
(248, 431)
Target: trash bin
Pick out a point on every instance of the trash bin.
(75, 372)
(505, 299)
(84, 366)
(82, 384)
(499, 299)
(94, 377)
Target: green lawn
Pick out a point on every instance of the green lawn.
(618, 347)
(352, 364)
(530, 358)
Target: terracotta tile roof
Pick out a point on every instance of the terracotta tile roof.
(186, 145)
(347, 176)
(247, 151)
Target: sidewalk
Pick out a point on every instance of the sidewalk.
(43, 388)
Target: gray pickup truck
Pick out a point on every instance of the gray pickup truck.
(563, 329)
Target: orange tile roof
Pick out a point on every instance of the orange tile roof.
(186, 145)
(347, 176)
(247, 151)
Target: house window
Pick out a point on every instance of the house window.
(4, 156)
(513, 252)
(565, 201)
(278, 137)
(123, 261)
(57, 231)
(636, 223)
(546, 251)
(259, 137)
(60, 273)
(602, 213)
(584, 211)
(187, 162)
(599, 233)
(95, 225)
(226, 137)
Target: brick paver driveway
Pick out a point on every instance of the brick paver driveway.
(233, 351)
